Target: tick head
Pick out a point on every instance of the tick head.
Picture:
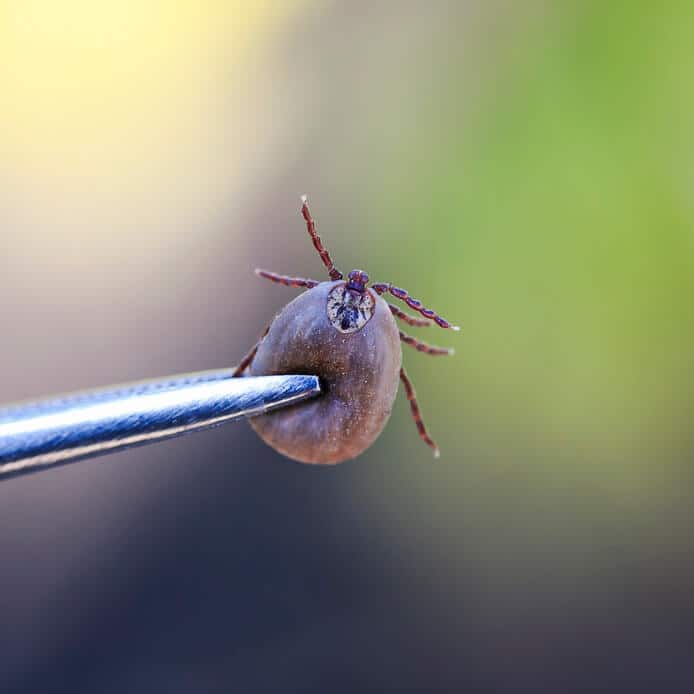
(357, 281)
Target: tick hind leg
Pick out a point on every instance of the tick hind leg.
(416, 413)
(286, 280)
(250, 355)
(409, 319)
(424, 347)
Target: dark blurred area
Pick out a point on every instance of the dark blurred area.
(524, 168)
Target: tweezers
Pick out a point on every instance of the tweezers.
(41, 435)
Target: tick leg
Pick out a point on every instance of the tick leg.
(424, 347)
(285, 279)
(410, 320)
(250, 355)
(416, 414)
(403, 295)
(334, 273)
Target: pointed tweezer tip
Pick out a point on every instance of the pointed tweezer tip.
(283, 390)
(56, 431)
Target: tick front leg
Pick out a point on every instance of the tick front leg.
(334, 273)
(424, 347)
(416, 413)
(285, 279)
(415, 304)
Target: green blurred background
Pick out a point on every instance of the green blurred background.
(525, 169)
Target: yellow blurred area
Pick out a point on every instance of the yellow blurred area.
(75, 70)
(108, 105)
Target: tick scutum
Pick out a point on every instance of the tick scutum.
(349, 310)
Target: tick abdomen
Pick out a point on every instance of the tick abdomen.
(359, 368)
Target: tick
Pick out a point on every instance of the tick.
(344, 332)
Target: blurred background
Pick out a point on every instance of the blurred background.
(523, 167)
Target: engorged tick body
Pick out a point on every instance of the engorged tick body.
(344, 332)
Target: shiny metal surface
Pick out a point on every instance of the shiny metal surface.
(35, 436)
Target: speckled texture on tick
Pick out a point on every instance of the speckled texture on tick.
(349, 311)
(359, 374)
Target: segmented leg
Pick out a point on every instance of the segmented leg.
(410, 320)
(285, 279)
(250, 355)
(416, 414)
(424, 347)
(414, 304)
(334, 273)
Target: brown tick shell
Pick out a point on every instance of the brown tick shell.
(359, 375)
